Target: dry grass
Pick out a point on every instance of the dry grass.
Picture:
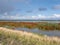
(14, 37)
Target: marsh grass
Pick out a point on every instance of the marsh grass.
(13, 37)
(31, 25)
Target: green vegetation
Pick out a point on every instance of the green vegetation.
(30, 25)
(48, 26)
(10, 37)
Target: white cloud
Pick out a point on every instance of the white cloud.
(18, 16)
(54, 16)
(42, 16)
(57, 15)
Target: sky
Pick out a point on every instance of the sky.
(30, 9)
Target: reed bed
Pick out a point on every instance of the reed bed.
(30, 25)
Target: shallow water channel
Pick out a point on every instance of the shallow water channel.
(49, 33)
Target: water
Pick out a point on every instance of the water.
(49, 21)
(49, 33)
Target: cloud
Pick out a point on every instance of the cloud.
(39, 17)
(57, 15)
(29, 11)
(42, 9)
(36, 17)
(56, 7)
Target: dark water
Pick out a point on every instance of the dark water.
(49, 33)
